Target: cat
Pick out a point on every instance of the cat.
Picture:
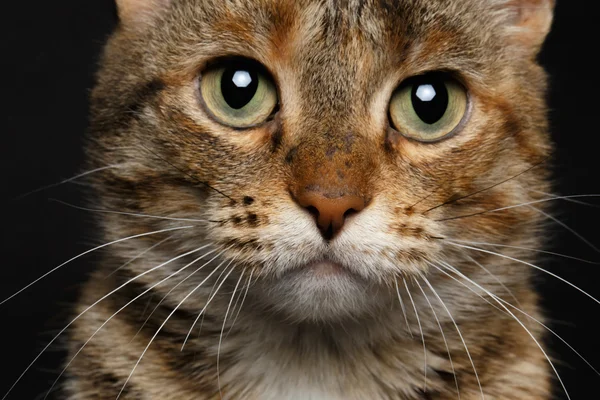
(301, 200)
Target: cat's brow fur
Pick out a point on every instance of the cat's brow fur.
(336, 64)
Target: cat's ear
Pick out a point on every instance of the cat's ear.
(140, 12)
(530, 22)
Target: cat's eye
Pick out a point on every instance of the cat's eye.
(428, 107)
(239, 93)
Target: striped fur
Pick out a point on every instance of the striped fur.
(303, 336)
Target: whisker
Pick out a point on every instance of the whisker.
(458, 331)
(238, 297)
(529, 264)
(223, 329)
(583, 203)
(209, 301)
(522, 248)
(403, 309)
(489, 187)
(497, 280)
(180, 283)
(422, 199)
(443, 335)
(242, 303)
(139, 255)
(421, 330)
(187, 174)
(121, 309)
(445, 264)
(567, 227)
(212, 290)
(99, 210)
(22, 196)
(513, 316)
(553, 333)
(547, 328)
(519, 309)
(90, 251)
(162, 326)
(518, 205)
(146, 306)
(89, 308)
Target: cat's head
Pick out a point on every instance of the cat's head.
(331, 147)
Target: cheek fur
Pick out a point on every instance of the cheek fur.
(317, 311)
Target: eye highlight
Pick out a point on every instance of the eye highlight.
(238, 93)
(428, 107)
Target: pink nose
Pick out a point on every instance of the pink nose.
(330, 212)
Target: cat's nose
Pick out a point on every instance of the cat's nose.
(329, 211)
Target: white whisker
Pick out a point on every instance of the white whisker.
(237, 300)
(529, 264)
(139, 255)
(223, 329)
(242, 303)
(583, 203)
(567, 227)
(162, 326)
(208, 302)
(98, 210)
(443, 336)
(512, 315)
(523, 248)
(420, 330)
(124, 307)
(89, 308)
(403, 309)
(577, 196)
(553, 333)
(90, 251)
(66, 181)
(458, 331)
(182, 281)
(496, 279)
(212, 289)
(147, 306)
(537, 321)
(478, 294)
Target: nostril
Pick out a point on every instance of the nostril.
(349, 212)
(313, 210)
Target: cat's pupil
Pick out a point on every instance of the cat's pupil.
(239, 86)
(430, 100)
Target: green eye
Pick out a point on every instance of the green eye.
(428, 107)
(239, 93)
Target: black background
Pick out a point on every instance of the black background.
(49, 52)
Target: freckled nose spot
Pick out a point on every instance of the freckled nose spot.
(330, 152)
(348, 142)
(252, 219)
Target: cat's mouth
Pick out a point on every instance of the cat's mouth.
(322, 289)
(326, 268)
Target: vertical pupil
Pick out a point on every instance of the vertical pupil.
(238, 86)
(430, 100)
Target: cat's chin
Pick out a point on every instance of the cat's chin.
(323, 291)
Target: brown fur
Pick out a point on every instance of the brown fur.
(336, 64)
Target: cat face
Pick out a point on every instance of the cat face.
(330, 148)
